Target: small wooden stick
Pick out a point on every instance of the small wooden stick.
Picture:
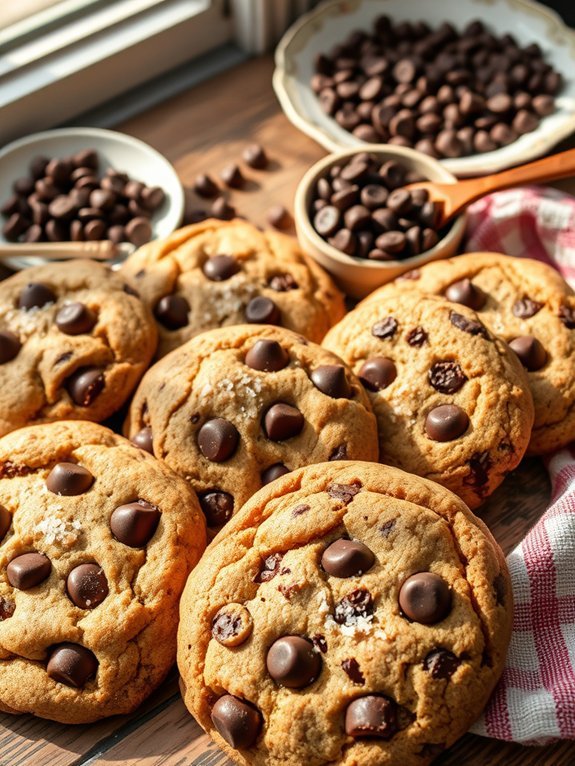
(103, 250)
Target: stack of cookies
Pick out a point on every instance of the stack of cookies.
(341, 597)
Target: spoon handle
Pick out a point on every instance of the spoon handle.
(101, 250)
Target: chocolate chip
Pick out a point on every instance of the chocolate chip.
(69, 479)
(526, 307)
(347, 558)
(223, 210)
(357, 604)
(466, 293)
(339, 453)
(377, 373)
(371, 716)
(282, 421)
(392, 242)
(293, 662)
(270, 568)
(327, 221)
(87, 586)
(441, 663)
(255, 157)
(217, 506)
(172, 311)
(232, 625)
(138, 231)
(35, 295)
(72, 665)
(299, 510)
(417, 337)
(134, 523)
(218, 440)
(331, 379)
(220, 267)
(386, 328)
(204, 186)
(75, 319)
(319, 642)
(386, 528)
(357, 217)
(9, 346)
(143, 439)
(232, 176)
(279, 217)
(85, 384)
(281, 283)
(267, 356)
(7, 608)
(425, 598)
(446, 422)
(262, 310)
(352, 669)
(567, 316)
(479, 466)
(5, 521)
(471, 326)
(28, 570)
(344, 241)
(530, 351)
(344, 492)
(236, 721)
(447, 377)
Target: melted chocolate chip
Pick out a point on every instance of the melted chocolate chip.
(299, 510)
(377, 373)
(331, 380)
(344, 492)
(385, 329)
(75, 319)
(293, 662)
(387, 527)
(87, 586)
(425, 598)
(526, 307)
(236, 721)
(371, 716)
(218, 440)
(85, 385)
(447, 377)
(232, 625)
(218, 268)
(270, 567)
(479, 466)
(357, 604)
(144, 440)
(5, 521)
(282, 421)
(319, 642)
(35, 295)
(446, 422)
(351, 667)
(466, 293)
(281, 283)
(530, 351)
(274, 472)
(347, 558)
(172, 311)
(417, 337)
(28, 570)
(217, 506)
(9, 346)
(262, 310)
(339, 453)
(267, 356)
(567, 316)
(72, 665)
(441, 663)
(7, 608)
(134, 524)
(471, 326)
(69, 479)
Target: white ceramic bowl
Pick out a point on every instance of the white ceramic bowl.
(359, 276)
(331, 22)
(117, 150)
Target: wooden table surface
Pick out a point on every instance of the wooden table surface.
(202, 130)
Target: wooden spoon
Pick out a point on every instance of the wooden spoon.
(453, 198)
(103, 250)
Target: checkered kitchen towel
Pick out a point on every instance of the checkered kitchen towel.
(534, 702)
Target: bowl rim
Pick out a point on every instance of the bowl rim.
(304, 188)
(491, 162)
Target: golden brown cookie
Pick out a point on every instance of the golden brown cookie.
(350, 614)
(451, 400)
(237, 407)
(221, 273)
(529, 305)
(96, 541)
(73, 344)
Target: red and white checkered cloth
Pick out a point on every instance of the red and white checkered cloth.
(534, 702)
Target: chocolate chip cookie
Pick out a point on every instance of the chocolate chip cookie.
(451, 399)
(73, 344)
(350, 614)
(237, 407)
(220, 273)
(96, 541)
(528, 304)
